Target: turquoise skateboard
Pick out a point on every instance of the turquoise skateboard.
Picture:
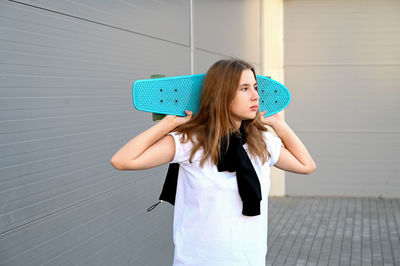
(174, 95)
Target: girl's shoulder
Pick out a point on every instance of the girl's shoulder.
(274, 144)
(183, 147)
(182, 138)
(269, 136)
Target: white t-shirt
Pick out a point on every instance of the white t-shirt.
(209, 227)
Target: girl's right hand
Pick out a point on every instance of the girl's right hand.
(179, 120)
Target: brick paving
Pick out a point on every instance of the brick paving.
(333, 231)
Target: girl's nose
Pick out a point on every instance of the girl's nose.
(255, 95)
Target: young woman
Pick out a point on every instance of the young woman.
(224, 154)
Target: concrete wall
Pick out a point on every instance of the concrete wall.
(342, 64)
(66, 73)
(272, 66)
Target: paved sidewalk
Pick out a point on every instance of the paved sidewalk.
(333, 231)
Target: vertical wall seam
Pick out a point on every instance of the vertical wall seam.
(191, 38)
(261, 37)
(282, 20)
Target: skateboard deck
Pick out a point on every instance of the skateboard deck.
(174, 95)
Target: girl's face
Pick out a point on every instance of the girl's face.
(245, 103)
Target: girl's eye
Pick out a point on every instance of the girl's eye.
(256, 88)
(244, 89)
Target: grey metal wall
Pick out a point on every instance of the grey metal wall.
(342, 63)
(66, 69)
(226, 28)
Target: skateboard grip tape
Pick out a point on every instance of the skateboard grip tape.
(156, 116)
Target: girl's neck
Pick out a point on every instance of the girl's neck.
(238, 124)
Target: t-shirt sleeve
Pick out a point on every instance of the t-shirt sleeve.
(274, 145)
(182, 150)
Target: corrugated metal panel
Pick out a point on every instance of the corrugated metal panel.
(228, 28)
(168, 20)
(65, 109)
(61, 72)
(338, 33)
(342, 64)
(349, 164)
(203, 60)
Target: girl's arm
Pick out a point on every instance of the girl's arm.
(294, 157)
(151, 148)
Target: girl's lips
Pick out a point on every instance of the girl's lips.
(254, 107)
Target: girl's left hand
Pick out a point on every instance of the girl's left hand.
(270, 120)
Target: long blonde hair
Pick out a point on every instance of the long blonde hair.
(213, 121)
